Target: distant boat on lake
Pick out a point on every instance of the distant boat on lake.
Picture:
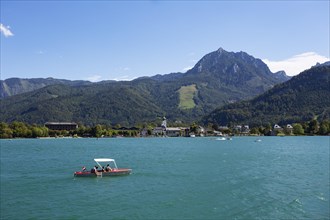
(115, 171)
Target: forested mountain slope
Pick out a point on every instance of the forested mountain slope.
(219, 78)
(303, 98)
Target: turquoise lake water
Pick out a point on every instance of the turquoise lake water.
(172, 178)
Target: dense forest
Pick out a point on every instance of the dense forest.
(303, 98)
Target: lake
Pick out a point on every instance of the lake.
(172, 178)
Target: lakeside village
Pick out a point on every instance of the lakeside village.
(73, 130)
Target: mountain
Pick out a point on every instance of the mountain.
(281, 75)
(234, 69)
(222, 77)
(91, 104)
(323, 64)
(302, 98)
(14, 86)
(219, 78)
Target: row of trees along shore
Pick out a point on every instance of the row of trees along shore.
(23, 130)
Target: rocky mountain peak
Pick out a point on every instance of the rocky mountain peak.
(322, 64)
(221, 50)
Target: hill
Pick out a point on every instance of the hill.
(303, 98)
(14, 86)
(219, 78)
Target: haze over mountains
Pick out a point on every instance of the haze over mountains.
(219, 78)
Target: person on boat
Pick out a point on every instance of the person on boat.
(83, 169)
(108, 168)
(94, 170)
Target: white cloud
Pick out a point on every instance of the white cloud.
(296, 64)
(187, 68)
(98, 78)
(94, 78)
(125, 78)
(6, 31)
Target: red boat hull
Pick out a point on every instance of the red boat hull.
(115, 172)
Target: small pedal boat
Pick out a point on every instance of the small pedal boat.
(115, 171)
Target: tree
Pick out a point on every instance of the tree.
(20, 130)
(37, 132)
(5, 131)
(193, 128)
(298, 129)
(287, 131)
(313, 126)
(324, 127)
(81, 130)
(254, 130)
(97, 131)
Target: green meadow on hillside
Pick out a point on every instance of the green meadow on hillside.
(186, 94)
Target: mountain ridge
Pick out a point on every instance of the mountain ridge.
(13, 86)
(227, 78)
(302, 98)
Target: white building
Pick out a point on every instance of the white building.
(276, 126)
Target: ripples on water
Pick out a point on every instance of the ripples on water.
(173, 178)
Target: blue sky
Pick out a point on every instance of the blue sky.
(122, 40)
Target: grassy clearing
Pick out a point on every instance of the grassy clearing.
(186, 94)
